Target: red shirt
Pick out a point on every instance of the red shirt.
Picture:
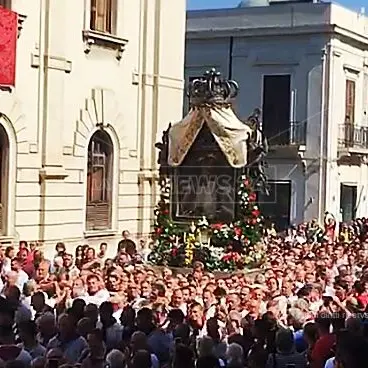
(322, 350)
(363, 298)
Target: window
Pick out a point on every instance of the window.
(103, 16)
(99, 182)
(276, 206)
(348, 202)
(276, 108)
(350, 102)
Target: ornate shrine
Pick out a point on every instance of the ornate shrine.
(211, 167)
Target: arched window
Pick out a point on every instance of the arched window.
(99, 182)
(4, 170)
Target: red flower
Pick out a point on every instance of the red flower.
(253, 221)
(234, 256)
(226, 257)
(246, 182)
(238, 231)
(158, 230)
(217, 226)
(165, 212)
(252, 197)
(256, 213)
(174, 252)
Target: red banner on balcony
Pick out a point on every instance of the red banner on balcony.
(8, 46)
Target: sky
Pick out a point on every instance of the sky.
(207, 4)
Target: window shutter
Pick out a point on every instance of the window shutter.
(350, 102)
(108, 16)
(101, 15)
(98, 206)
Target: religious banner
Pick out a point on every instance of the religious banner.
(8, 46)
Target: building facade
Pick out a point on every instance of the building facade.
(95, 85)
(305, 65)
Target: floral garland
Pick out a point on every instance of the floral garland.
(221, 246)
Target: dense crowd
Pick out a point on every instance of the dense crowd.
(305, 308)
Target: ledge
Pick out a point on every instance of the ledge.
(53, 173)
(6, 239)
(107, 40)
(99, 233)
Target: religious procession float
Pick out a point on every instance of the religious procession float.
(211, 169)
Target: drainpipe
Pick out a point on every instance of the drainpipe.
(44, 44)
(155, 102)
(323, 159)
(142, 72)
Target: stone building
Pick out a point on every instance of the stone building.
(96, 83)
(306, 65)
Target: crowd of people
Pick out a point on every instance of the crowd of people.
(305, 308)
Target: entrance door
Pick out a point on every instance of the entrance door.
(276, 206)
(276, 108)
(348, 200)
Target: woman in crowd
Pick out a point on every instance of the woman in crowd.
(96, 312)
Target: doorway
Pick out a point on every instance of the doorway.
(276, 108)
(276, 207)
(348, 201)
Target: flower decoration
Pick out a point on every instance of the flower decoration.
(220, 246)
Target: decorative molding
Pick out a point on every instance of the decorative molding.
(100, 233)
(4, 239)
(102, 111)
(33, 148)
(135, 78)
(352, 69)
(54, 62)
(68, 150)
(109, 41)
(148, 175)
(274, 61)
(336, 53)
(133, 153)
(52, 173)
(12, 110)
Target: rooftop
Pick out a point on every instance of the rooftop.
(280, 15)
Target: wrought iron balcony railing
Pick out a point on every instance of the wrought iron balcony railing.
(294, 136)
(352, 136)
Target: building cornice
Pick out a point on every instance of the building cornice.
(260, 32)
(279, 31)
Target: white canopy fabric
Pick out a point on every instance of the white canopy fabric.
(229, 132)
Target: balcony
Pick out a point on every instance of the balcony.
(294, 136)
(353, 139)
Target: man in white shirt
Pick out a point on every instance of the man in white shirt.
(96, 293)
(22, 277)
